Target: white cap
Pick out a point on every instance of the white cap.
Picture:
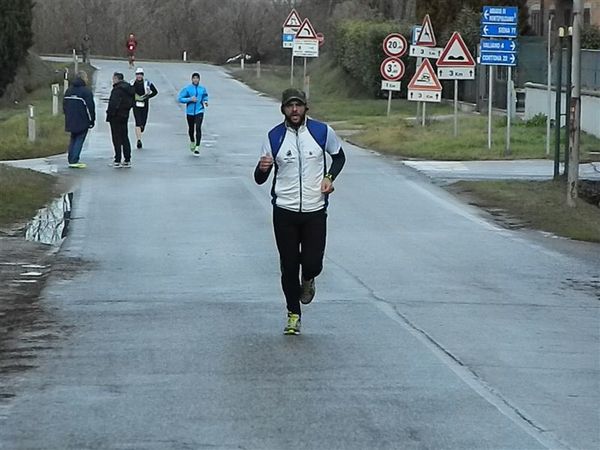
(139, 70)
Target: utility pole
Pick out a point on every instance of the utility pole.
(575, 107)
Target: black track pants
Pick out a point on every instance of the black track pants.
(300, 240)
(195, 122)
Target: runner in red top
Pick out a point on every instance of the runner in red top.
(131, 47)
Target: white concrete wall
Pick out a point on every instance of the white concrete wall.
(536, 102)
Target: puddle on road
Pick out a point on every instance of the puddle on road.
(51, 224)
(27, 325)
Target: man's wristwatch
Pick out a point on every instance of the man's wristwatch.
(329, 177)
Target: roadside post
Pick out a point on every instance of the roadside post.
(75, 62)
(425, 49)
(456, 63)
(257, 69)
(55, 89)
(31, 123)
(499, 22)
(392, 68)
(557, 103)
(306, 45)
(575, 107)
(290, 28)
(184, 56)
(66, 80)
(568, 95)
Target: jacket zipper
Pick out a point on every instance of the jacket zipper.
(299, 168)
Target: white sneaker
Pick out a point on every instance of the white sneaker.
(197, 150)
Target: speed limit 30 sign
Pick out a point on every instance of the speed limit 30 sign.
(392, 69)
(395, 45)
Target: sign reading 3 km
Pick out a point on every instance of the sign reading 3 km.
(395, 45)
(392, 69)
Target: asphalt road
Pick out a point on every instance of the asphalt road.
(433, 328)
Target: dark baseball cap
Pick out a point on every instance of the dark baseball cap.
(293, 94)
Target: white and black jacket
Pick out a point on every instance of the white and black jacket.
(300, 164)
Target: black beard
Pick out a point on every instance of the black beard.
(292, 124)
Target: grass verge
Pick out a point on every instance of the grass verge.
(23, 192)
(539, 204)
(334, 97)
(51, 138)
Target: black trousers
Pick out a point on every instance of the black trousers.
(195, 122)
(120, 139)
(300, 240)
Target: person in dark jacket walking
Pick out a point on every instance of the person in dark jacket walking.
(144, 91)
(80, 116)
(117, 115)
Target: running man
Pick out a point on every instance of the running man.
(131, 48)
(144, 91)
(301, 187)
(195, 97)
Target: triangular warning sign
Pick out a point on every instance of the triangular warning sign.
(306, 31)
(425, 78)
(456, 53)
(293, 20)
(426, 37)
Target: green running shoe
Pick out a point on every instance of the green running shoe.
(192, 146)
(292, 326)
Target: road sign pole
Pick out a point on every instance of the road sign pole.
(558, 100)
(389, 105)
(304, 76)
(508, 108)
(455, 108)
(549, 86)
(490, 95)
(424, 109)
(292, 70)
(419, 62)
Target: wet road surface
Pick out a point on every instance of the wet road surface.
(432, 327)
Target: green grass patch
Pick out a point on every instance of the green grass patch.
(541, 204)
(23, 192)
(51, 138)
(437, 140)
(335, 97)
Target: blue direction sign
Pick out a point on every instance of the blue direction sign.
(505, 15)
(498, 45)
(501, 31)
(498, 59)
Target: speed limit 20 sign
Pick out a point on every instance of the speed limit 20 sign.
(392, 69)
(395, 45)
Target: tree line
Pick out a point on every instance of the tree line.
(209, 30)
